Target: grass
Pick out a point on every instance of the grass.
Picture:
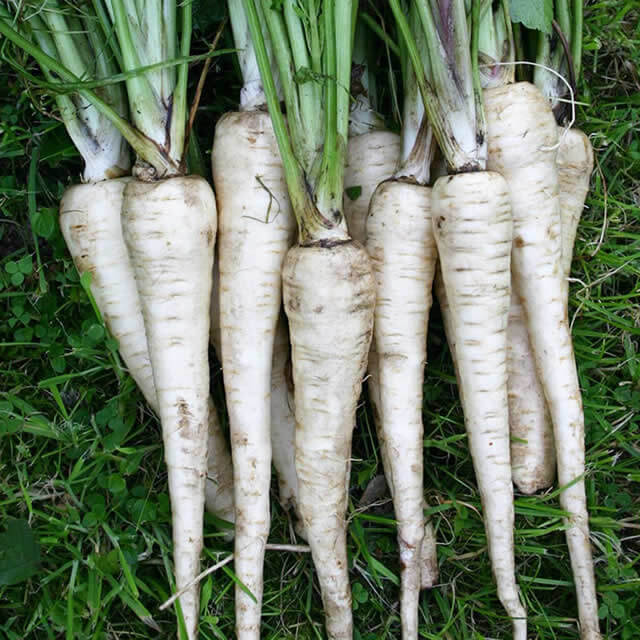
(84, 511)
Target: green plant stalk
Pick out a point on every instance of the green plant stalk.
(323, 179)
(148, 117)
(329, 190)
(314, 39)
(105, 67)
(60, 87)
(576, 35)
(80, 134)
(308, 95)
(383, 35)
(296, 184)
(305, 145)
(417, 137)
(563, 17)
(141, 144)
(363, 116)
(449, 108)
(99, 142)
(569, 17)
(179, 107)
(73, 53)
(314, 179)
(496, 45)
(481, 124)
(107, 30)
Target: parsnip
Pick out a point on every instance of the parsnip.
(256, 228)
(328, 286)
(575, 165)
(90, 224)
(403, 253)
(533, 457)
(331, 325)
(170, 227)
(472, 226)
(371, 158)
(283, 421)
(522, 146)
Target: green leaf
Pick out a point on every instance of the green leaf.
(19, 553)
(17, 279)
(24, 334)
(95, 333)
(353, 193)
(533, 14)
(11, 267)
(85, 280)
(25, 265)
(116, 484)
(43, 223)
(58, 364)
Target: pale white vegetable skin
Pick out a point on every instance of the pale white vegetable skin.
(283, 420)
(523, 140)
(170, 228)
(472, 226)
(403, 253)
(429, 570)
(91, 226)
(219, 486)
(256, 229)
(371, 158)
(329, 295)
(533, 461)
(575, 165)
(283, 423)
(533, 456)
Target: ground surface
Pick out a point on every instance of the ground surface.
(81, 468)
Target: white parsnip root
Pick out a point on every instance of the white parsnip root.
(575, 165)
(533, 457)
(402, 248)
(91, 225)
(371, 158)
(283, 420)
(331, 326)
(522, 146)
(256, 229)
(472, 226)
(170, 228)
(219, 486)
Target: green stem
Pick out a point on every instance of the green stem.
(142, 145)
(313, 170)
(107, 30)
(285, 64)
(576, 36)
(440, 107)
(147, 116)
(308, 93)
(292, 170)
(383, 35)
(481, 125)
(179, 107)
